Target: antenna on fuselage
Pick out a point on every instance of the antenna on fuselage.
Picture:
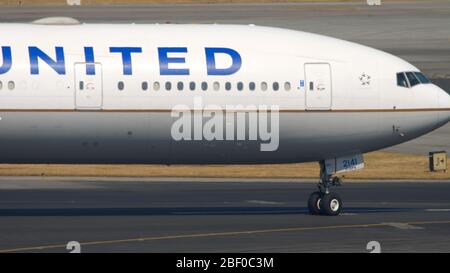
(56, 21)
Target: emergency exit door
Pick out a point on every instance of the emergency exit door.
(318, 86)
(88, 86)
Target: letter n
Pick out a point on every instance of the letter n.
(36, 54)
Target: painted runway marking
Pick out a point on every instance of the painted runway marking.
(236, 212)
(263, 202)
(219, 234)
(403, 226)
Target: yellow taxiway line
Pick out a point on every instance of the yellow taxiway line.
(218, 234)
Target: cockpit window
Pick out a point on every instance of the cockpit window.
(401, 80)
(421, 77)
(412, 79)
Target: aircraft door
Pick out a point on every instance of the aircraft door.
(318, 86)
(88, 88)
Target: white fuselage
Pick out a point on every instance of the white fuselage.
(111, 93)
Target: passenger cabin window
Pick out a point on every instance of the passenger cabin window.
(228, 86)
(120, 86)
(204, 86)
(168, 86)
(1, 85)
(275, 86)
(144, 86)
(156, 86)
(180, 86)
(287, 86)
(401, 80)
(216, 86)
(11, 85)
(263, 86)
(240, 86)
(251, 86)
(192, 86)
(412, 79)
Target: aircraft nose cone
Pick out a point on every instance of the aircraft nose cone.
(444, 104)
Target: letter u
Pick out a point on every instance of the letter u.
(7, 60)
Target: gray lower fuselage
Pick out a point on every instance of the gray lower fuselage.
(145, 137)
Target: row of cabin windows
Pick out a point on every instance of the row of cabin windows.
(180, 86)
(10, 85)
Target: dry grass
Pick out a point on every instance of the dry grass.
(379, 165)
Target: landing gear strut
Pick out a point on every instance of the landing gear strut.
(324, 201)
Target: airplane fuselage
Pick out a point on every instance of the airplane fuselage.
(105, 93)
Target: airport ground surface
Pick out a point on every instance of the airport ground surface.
(235, 216)
(157, 215)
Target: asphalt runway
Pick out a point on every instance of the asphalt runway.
(213, 215)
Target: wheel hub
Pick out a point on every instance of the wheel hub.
(334, 205)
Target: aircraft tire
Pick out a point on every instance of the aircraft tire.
(331, 204)
(314, 203)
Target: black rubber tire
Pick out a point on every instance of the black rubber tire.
(331, 204)
(313, 203)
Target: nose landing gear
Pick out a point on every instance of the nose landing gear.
(325, 202)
